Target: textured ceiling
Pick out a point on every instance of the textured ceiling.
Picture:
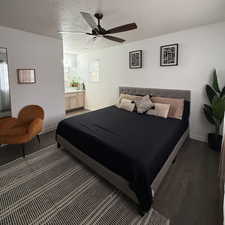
(153, 17)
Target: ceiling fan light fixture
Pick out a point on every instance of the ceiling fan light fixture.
(98, 31)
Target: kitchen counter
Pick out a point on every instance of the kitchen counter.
(74, 91)
(75, 99)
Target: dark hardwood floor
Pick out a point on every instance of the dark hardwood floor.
(12, 152)
(188, 195)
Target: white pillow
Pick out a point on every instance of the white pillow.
(160, 110)
(127, 105)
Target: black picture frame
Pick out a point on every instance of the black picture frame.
(169, 55)
(135, 59)
(26, 80)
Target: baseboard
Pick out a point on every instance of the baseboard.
(198, 137)
(49, 128)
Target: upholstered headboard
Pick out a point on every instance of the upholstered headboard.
(170, 93)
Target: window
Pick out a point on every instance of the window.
(94, 71)
(72, 80)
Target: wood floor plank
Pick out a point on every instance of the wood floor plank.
(189, 194)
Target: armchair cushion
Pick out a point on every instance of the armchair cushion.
(35, 127)
(21, 130)
(17, 139)
(8, 123)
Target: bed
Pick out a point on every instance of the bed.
(131, 151)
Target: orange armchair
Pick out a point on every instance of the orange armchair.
(24, 128)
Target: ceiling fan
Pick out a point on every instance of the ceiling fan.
(99, 31)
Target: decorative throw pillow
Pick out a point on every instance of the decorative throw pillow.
(176, 106)
(144, 104)
(159, 109)
(129, 97)
(127, 105)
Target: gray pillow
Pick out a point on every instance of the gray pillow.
(144, 104)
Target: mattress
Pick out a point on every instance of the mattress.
(132, 145)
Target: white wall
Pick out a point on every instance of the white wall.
(201, 50)
(27, 50)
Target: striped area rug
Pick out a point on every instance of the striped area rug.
(51, 187)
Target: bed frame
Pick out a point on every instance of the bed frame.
(110, 176)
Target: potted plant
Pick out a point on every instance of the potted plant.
(74, 83)
(214, 111)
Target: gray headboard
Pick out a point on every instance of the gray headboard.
(170, 93)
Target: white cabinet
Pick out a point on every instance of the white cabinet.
(74, 100)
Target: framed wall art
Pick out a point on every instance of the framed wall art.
(135, 59)
(26, 76)
(169, 55)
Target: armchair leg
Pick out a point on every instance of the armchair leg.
(23, 150)
(39, 140)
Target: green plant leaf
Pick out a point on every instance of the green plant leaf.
(210, 93)
(218, 108)
(222, 92)
(209, 114)
(215, 82)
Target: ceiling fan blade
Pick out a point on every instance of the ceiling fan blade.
(89, 19)
(123, 28)
(111, 38)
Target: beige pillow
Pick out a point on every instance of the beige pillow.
(144, 104)
(129, 97)
(176, 106)
(127, 105)
(160, 110)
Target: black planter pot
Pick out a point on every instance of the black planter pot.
(215, 141)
